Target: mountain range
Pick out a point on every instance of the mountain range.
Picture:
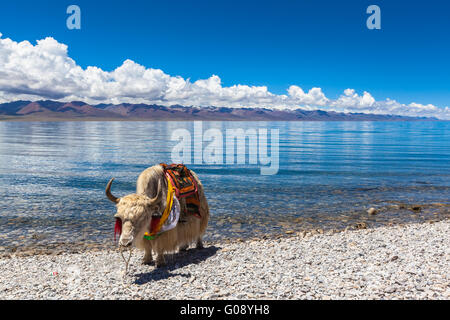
(77, 110)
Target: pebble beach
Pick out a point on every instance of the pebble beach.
(393, 262)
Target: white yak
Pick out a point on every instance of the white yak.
(136, 211)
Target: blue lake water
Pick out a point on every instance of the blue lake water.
(53, 175)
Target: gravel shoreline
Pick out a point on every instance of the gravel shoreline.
(396, 262)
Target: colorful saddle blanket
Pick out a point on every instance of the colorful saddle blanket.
(185, 186)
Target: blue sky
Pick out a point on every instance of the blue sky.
(277, 44)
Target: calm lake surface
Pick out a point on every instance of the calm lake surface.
(53, 176)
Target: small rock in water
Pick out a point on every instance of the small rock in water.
(289, 232)
(361, 225)
(236, 226)
(372, 211)
(416, 208)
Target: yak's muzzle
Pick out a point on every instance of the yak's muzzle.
(125, 242)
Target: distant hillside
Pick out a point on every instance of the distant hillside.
(76, 110)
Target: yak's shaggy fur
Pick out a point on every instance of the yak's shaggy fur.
(136, 212)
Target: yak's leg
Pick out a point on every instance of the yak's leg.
(199, 243)
(148, 258)
(160, 261)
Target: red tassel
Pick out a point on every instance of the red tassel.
(154, 224)
(118, 228)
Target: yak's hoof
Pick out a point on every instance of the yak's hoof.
(147, 262)
(200, 246)
(184, 248)
(160, 262)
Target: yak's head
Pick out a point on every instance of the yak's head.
(134, 214)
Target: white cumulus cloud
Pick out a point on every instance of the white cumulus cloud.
(45, 71)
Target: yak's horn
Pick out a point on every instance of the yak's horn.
(108, 192)
(158, 193)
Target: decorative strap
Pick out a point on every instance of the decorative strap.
(169, 202)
